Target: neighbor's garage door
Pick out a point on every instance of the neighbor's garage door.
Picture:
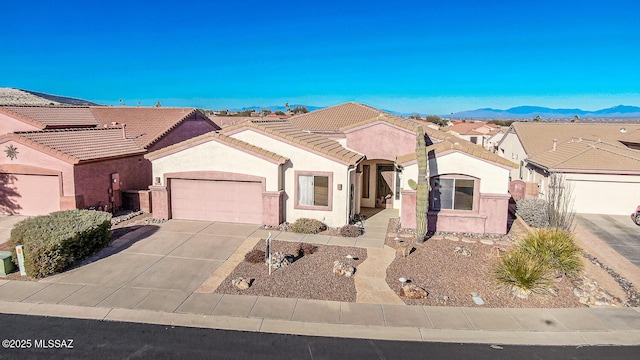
(213, 200)
(30, 194)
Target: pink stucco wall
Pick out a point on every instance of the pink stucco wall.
(9, 124)
(272, 207)
(381, 141)
(28, 156)
(408, 212)
(93, 180)
(496, 207)
(491, 217)
(194, 126)
(160, 201)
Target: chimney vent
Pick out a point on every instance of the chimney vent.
(555, 144)
(124, 131)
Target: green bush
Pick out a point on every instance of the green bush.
(54, 242)
(557, 247)
(522, 273)
(308, 226)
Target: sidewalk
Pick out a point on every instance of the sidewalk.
(155, 275)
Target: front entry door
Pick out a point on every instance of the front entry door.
(384, 186)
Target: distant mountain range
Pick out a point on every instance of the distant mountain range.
(10, 96)
(530, 112)
(275, 108)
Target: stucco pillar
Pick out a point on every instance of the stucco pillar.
(272, 207)
(408, 209)
(496, 208)
(160, 201)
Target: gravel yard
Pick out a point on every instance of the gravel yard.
(309, 277)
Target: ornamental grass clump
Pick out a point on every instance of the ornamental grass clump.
(536, 260)
(308, 226)
(521, 274)
(557, 247)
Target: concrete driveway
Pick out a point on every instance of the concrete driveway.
(158, 269)
(618, 231)
(6, 224)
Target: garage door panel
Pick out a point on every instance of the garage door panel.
(30, 194)
(211, 200)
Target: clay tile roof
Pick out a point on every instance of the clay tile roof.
(220, 137)
(336, 117)
(51, 117)
(346, 116)
(75, 145)
(538, 137)
(145, 124)
(455, 143)
(292, 133)
(589, 156)
(630, 137)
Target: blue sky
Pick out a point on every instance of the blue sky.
(431, 57)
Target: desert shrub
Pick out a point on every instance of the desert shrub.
(306, 249)
(557, 247)
(56, 241)
(308, 226)
(522, 273)
(560, 203)
(534, 212)
(350, 231)
(255, 256)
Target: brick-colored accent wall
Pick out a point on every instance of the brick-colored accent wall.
(194, 126)
(93, 180)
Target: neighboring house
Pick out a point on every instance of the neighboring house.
(328, 165)
(50, 170)
(148, 128)
(32, 118)
(603, 178)
(599, 161)
(492, 142)
(476, 132)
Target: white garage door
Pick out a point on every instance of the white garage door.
(605, 197)
(213, 200)
(29, 194)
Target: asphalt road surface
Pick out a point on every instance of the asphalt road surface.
(58, 338)
(618, 231)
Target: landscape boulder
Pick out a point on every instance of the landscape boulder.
(411, 291)
(342, 269)
(241, 283)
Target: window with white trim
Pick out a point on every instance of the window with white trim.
(313, 190)
(452, 193)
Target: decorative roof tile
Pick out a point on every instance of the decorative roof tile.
(292, 133)
(145, 124)
(538, 137)
(588, 156)
(455, 143)
(52, 117)
(75, 145)
(215, 135)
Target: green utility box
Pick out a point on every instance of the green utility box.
(6, 265)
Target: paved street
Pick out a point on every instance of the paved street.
(618, 231)
(119, 340)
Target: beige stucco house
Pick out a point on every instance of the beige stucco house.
(600, 162)
(328, 165)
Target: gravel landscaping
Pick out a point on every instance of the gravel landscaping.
(308, 277)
